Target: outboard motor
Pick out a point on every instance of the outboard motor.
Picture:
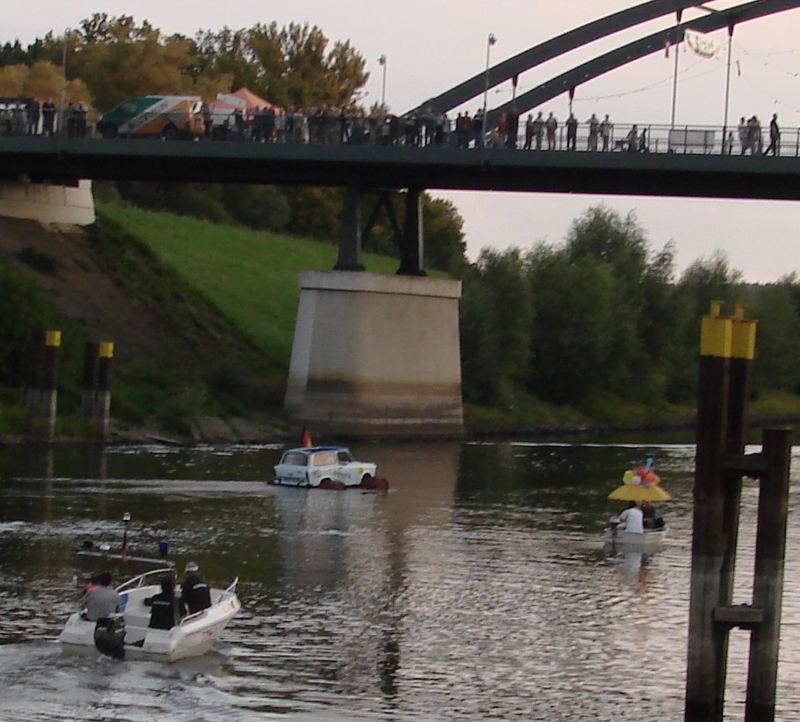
(109, 636)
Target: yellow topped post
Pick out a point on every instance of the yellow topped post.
(105, 349)
(52, 338)
(743, 341)
(716, 333)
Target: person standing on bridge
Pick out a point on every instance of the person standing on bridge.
(528, 132)
(33, 117)
(48, 117)
(744, 135)
(551, 124)
(538, 129)
(572, 132)
(591, 142)
(774, 137)
(632, 137)
(605, 130)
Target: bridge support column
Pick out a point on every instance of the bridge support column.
(411, 250)
(350, 238)
(376, 356)
(48, 202)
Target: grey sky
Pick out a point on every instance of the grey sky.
(430, 46)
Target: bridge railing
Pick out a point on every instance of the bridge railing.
(357, 130)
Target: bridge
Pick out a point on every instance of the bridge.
(347, 373)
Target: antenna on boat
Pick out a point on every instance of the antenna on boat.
(126, 517)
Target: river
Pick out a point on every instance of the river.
(476, 589)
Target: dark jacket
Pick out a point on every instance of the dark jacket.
(165, 613)
(195, 594)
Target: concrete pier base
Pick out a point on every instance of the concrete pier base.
(376, 356)
(48, 202)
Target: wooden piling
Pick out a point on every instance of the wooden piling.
(773, 503)
(89, 379)
(707, 648)
(102, 405)
(42, 396)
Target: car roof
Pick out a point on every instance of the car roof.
(312, 449)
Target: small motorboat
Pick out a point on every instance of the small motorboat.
(640, 486)
(646, 541)
(127, 633)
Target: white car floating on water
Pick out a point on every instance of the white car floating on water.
(327, 467)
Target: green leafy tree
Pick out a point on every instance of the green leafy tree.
(496, 313)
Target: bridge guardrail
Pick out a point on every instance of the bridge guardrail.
(357, 130)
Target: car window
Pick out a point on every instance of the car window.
(324, 458)
(128, 107)
(344, 457)
(296, 458)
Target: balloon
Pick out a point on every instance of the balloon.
(641, 472)
(627, 477)
(650, 478)
(648, 463)
(636, 479)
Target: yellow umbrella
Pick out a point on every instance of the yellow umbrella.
(638, 492)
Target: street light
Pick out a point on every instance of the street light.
(63, 81)
(491, 40)
(382, 63)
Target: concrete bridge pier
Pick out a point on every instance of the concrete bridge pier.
(377, 355)
(69, 202)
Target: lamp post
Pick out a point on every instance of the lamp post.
(63, 82)
(382, 63)
(679, 13)
(491, 40)
(725, 147)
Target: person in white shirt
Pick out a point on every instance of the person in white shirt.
(631, 519)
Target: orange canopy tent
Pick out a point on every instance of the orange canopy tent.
(246, 100)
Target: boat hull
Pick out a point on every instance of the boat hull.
(648, 540)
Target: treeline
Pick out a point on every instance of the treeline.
(604, 316)
(109, 59)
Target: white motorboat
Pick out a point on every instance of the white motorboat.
(128, 634)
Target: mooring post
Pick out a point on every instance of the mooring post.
(102, 399)
(707, 647)
(89, 379)
(43, 392)
(411, 251)
(350, 238)
(773, 503)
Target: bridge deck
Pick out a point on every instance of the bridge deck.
(604, 173)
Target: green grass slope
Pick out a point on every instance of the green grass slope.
(250, 276)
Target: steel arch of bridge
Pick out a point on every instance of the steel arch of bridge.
(602, 64)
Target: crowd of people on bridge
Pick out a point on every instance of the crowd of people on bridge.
(751, 138)
(421, 128)
(28, 116)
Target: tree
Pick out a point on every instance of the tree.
(496, 316)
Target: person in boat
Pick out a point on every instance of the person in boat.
(648, 515)
(100, 601)
(166, 610)
(631, 519)
(194, 591)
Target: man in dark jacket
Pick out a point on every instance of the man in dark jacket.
(165, 611)
(194, 591)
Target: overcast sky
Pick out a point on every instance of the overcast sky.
(431, 46)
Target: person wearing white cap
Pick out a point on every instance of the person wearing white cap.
(194, 591)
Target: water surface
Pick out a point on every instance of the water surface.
(477, 588)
